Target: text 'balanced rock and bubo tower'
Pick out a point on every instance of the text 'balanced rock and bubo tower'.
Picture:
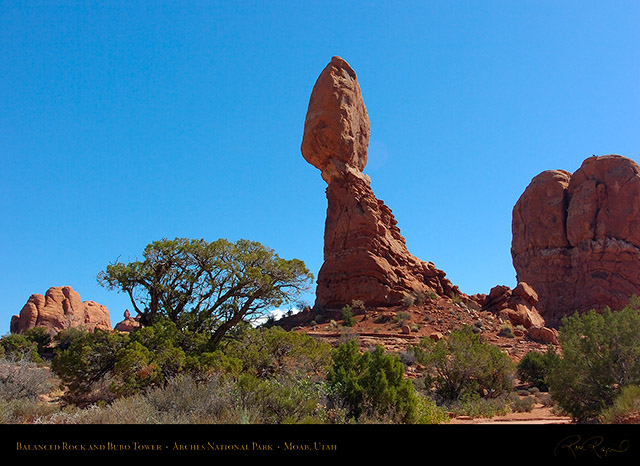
(365, 256)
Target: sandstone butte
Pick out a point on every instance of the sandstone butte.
(60, 308)
(576, 237)
(365, 256)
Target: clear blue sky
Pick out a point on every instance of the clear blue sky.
(123, 122)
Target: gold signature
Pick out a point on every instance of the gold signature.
(594, 445)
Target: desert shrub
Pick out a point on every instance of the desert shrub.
(534, 368)
(419, 297)
(625, 407)
(371, 383)
(545, 399)
(21, 378)
(127, 410)
(278, 400)
(600, 355)
(41, 337)
(347, 334)
(347, 316)
(88, 363)
(408, 357)
(474, 405)
(428, 412)
(19, 345)
(402, 318)
(184, 399)
(521, 404)
(408, 300)
(277, 352)
(463, 364)
(358, 304)
(506, 330)
(25, 411)
(187, 399)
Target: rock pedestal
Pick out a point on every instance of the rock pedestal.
(365, 256)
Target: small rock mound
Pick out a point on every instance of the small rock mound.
(518, 306)
(128, 324)
(60, 308)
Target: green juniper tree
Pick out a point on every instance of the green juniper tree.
(206, 286)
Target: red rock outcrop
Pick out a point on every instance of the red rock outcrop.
(60, 308)
(576, 237)
(365, 256)
(128, 324)
(518, 306)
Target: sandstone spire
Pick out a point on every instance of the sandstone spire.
(365, 256)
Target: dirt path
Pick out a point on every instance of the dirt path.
(539, 415)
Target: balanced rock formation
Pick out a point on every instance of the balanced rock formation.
(576, 237)
(60, 308)
(365, 256)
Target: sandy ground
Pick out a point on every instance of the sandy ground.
(539, 415)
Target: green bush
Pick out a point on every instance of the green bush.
(521, 404)
(474, 405)
(428, 412)
(464, 364)
(535, 366)
(65, 337)
(275, 352)
(506, 330)
(347, 316)
(19, 345)
(88, 362)
(371, 384)
(600, 355)
(41, 337)
(278, 400)
(103, 365)
(401, 318)
(625, 406)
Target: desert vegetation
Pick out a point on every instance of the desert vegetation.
(161, 373)
(158, 374)
(199, 357)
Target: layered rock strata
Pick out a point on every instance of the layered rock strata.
(576, 237)
(60, 308)
(365, 256)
